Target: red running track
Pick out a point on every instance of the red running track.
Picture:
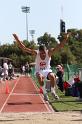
(24, 96)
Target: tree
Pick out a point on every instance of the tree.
(47, 40)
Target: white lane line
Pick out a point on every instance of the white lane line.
(9, 95)
(50, 109)
(25, 94)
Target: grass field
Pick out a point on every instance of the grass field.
(66, 103)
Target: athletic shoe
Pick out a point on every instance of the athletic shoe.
(55, 95)
(46, 98)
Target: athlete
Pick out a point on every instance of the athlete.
(42, 64)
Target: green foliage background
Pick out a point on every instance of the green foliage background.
(71, 53)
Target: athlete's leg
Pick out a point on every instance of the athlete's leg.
(52, 79)
(40, 78)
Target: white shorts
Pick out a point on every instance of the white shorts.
(44, 72)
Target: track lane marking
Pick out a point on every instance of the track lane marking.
(48, 108)
(24, 94)
(9, 95)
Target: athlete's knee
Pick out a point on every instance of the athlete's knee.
(39, 76)
(51, 76)
(40, 79)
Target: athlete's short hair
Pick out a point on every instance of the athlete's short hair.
(42, 48)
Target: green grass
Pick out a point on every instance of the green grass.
(65, 103)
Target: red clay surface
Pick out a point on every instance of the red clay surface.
(23, 96)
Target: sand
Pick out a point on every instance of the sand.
(41, 118)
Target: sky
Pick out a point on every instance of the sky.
(44, 16)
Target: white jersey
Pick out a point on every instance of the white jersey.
(42, 64)
(5, 66)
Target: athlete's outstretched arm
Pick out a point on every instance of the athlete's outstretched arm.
(22, 46)
(59, 46)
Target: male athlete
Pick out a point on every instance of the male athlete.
(42, 64)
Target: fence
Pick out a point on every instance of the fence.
(69, 71)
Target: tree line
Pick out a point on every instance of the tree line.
(71, 53)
